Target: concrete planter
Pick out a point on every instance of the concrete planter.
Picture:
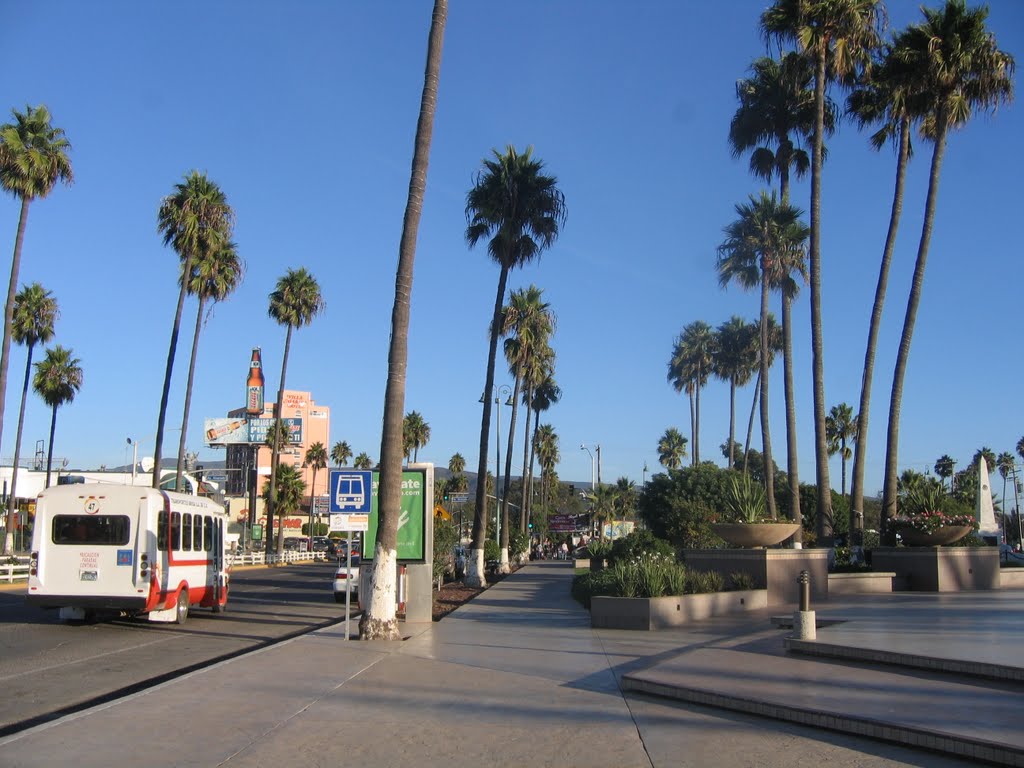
(869, 582)
(939, 569)
(946, 535)
(649, 613)
(774, 569)
(1011, 578)
(755, 534)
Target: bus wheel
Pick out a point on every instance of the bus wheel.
(182, 609)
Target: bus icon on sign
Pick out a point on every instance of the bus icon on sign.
(350, 491)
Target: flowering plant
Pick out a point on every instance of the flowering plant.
(921, 510)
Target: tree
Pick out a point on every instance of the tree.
(279, 436)
(316, 459)
(35, 313)
(944, 467)
(988, 455)
(602, 506)
(836, 36)
(735, 362)
(295, 302)
(520, 210)
(761, 248)
(195, 217)
(415, 434)
(216, 272)
(1020, 447)
(340, 453)
(378, 620)
(288, 489)
(841, 427)
(885, 97)
(546, 441)
(546, 394)
(957, 57)
(1004, 462)
(363, 461)
(625, 498)
(33, 158)
(672, 449)
(691, 364)
(58, 379)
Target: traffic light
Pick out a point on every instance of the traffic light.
(446, 496)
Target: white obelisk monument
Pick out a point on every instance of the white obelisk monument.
(984, 511)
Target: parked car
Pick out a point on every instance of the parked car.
(345, 578)
(295, 544)
(320, 543)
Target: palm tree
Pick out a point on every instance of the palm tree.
(625, 498)
(957, 58)
(691, 365)
(216, 272)
(316, 459)
(415, 434)
(35, 313)
(943, 467)
(285, 491)
(195, 217)
(294, 303)
(761, 248)
(546, 394)
(1020, 447)
(521, 210)
(774, 348)
(841, 34)
(456, 464)
(842, 427)
(735, 362)
(340, 453)
(1004, 462)
(548, 455)
(988, 455)
(672, 449)
(58, 379)
(278, 435)
(33, 158)
(885, 98)
(363, 461)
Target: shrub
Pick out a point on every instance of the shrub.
(599, 548)
(624, 580)
(638, 543)
(518, 544)
(588, 585)
(675, 578)
(446, 536)
(700, 582)
(491, 550)
(741, 581)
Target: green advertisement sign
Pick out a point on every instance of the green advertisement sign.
(411, 543)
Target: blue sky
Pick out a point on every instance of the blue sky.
(305, 115)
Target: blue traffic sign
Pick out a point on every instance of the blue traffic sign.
(350, 490)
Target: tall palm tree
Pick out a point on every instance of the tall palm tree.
(1020, 447)
(672, 449)
(194, 217)
(216, 272)
(886, 97)
(340, 453)
(33, 158)
(363, 461)
(692, 363)
(519, 210)
(837, 36)
(316, 459)
(294, 303)
(944, 467)
(964, 70)
(842, 427)
(987, 454)
(415, 434)
(285, 490)
(546, 394)
(735, 363)
(774, 348)
(58, 379)
(625, 498)
(35, 313)
(548, 455)
(1004, 462)
(761, 248)
(456, 464)
(378, 619)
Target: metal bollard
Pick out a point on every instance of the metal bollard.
(804, 580)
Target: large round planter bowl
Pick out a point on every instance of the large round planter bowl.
(755, 534)
(946, 535)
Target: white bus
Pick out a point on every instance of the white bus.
(127, 550)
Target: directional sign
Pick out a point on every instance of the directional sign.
(350, 490)
(458, 498)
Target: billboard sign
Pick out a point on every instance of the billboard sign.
(226, 431)
(568, 523)
(412, 523)
(258, 429)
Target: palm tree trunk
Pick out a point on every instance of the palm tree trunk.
(896, 399)
(275, 452)
(750, 421)
(766, 439)
(842, 463)
(475, 561)
(524, 496)
(732, 419)
(791, 451)
(503, 565)
(824, 512)
(693, 429)
(161, 418)
(528, 511)
(860, 447)
(696, 428)
(12, 290)
(188, 397)
(12, 497)
(49, 449)
(378, 621)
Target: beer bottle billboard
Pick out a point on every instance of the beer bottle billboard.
(254, 385)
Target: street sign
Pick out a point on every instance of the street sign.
(350, 521)
(321, 505)
(458, 498)
(350, 491)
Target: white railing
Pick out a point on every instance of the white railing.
(261, 558)
(11, 571)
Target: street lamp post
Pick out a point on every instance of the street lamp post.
(135, 456)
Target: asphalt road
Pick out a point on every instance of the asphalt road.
(49, 667)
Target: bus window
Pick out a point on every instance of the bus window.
(186, 531)
(208, 533)
(161, 531)
(197, 533)
(175, 530)
(91, 529)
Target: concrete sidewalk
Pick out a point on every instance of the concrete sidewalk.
(515, 677)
